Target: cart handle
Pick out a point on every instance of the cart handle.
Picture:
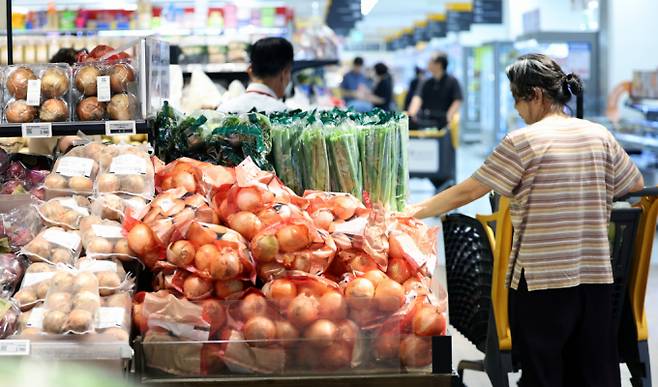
(647, 191)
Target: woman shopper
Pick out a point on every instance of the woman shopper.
(561, 174)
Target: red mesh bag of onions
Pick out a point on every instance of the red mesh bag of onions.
(405, 338)
(294, 244)
(193, 176)
(328, 208)
(253, 191)
(413, 241)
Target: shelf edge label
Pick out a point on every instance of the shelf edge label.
(116, 128)
(14, 347)
(37, 129)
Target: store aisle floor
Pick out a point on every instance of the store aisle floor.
(469, 158)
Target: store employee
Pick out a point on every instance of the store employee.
(437, 99)
(270, 73)
(561, 175)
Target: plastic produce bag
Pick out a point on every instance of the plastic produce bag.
(11, 273)
(126, 169)
(54, 245)
(111, 276)
(75, 172)
(64, 212)
(286, 149)
(9, 318)
(34, 286)
(193, 176)
(316, 158)
(114, 207)
(18, 227)
(104, 239)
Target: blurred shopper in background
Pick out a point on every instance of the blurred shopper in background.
(355, 85)
(436, 100)
(270, 73)
(561, 175)
(381, 95)
(413, 85)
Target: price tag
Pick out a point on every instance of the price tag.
(35, 278)
(36, 318)
(105, 231)
(37, 130)
(14, 347)
(75, 166)
(128, 165)
(116, 128)
(94, 266)
(34, 92)
(111, 317)
(71, 204)
(103, 88)
(70, 240)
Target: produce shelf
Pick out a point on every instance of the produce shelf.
(64, 348)
(91, 128)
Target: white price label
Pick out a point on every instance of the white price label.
(35, 278)
(36, 318)
(120, 128)
(111, 317)
(14, 347)
(75, 166)
(423, 155)
(71, 204)
(34, 92)
(105, 231)
(69, 240)
(96, 266)
(37, 130)
(128, 165)
(103, 91)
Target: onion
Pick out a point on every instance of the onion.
(184, 180)
(181, 253)
(347, 332)
(54, 110)
(141, 239)
(120, 76)
(286, 332)
(322, 219)
(275, 214)
(282, 291)
(18, 80)
(139, 319)
(81, 184)
(200, 235)
(389, 296)
(293, 238)
(19, 111)
(344, 207)
(205, 256)
(85, 80)
(359, 293)
(195, 287)
(321, 333)
(428, 322)
(261, 330)
(303, 310)
(213, 312)
(224, 289)
(226, 266)
(387, 346)
(375, 276)
(395, 249)
(362, 263)
(54, 321)
(333, 306)
(336, 356)
(416, 351)
(398, 270)
(253, 305)
(54, 83)
(246, 223)
(248, 199)
(265, 248)
(89, 109)
(122, 107)
(55, 181)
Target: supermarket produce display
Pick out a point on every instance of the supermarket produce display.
(214, 265)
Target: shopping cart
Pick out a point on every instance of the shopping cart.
(476, 247)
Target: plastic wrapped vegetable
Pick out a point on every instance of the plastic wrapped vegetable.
(35, 285)
(9, 313)
(54, 245)
(104, 239)
(316, 159)
(114, 207)
(286, 149)
(11, 273)
(75, 172)
(111, 276)
(193, 176)
(412, 246)
(18, 227)
(126, 169)
(344, 159)
(402, 186)
(64, 211)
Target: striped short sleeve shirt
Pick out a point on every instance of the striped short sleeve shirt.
(561, 175)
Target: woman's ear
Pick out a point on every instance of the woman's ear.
(537, 94)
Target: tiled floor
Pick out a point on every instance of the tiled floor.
(468, 160)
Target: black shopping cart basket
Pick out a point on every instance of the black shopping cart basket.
(477, 253)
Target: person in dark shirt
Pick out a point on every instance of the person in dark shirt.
(438, 99)
(382, 94)
(413, 85)
(355, 86)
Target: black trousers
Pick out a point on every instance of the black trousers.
(565, 337)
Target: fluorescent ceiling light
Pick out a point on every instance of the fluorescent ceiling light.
(367, 6)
